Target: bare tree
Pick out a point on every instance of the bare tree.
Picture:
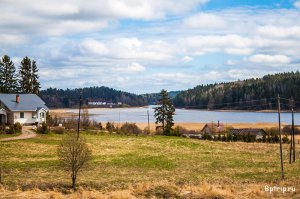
(74, 155)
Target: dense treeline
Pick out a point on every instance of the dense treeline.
(59, 98)
(153, 98)
(24, 80)
(252, 94)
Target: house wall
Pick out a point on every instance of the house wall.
(28, 119)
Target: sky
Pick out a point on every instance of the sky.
(143, 46)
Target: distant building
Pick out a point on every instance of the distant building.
(256, 133)
(22, 108)
(213, 128)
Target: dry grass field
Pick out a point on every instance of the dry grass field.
(148, 166)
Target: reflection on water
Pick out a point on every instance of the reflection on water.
(183, 115)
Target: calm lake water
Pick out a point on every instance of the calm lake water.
(182, 115)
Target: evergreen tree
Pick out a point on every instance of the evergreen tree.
(35, 84)
(164, 113)
(8, 82)
(25, 76)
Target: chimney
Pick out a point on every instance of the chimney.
(218, 123)
(17, 98)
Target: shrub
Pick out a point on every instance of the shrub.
(159, 131)
(18, 127)
(110, 127)
(100, 126)
(285, 139)
(58, 130)
(130, 128)
(11, 129)
(2, 128)
(179, 130)
(43, 129)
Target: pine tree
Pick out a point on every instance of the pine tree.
(25, 76)
(164, 113)
(8, 82)
(35, 84)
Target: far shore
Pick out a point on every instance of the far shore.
(187, 125)
(64, 110)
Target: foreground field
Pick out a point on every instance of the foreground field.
(146, 166)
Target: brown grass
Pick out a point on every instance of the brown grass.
(161, 189)
(199, 126)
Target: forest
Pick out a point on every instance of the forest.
(249, 94)
(69, 98)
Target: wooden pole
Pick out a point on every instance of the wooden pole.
(80, 96)
(293, 135)
(148, 121)
(291, 144)
(280, 142)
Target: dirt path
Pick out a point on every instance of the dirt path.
(27, 133)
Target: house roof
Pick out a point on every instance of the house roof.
(246, 131)
(217, 127)
(28, 102)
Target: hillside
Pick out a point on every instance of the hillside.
(152, 98)
(59, 98)
(252, 94)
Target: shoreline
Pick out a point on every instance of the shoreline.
(140, 107)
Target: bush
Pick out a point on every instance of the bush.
(11, 129)
(130, 128)
(285, 139)
(18, 127)
(2, 128)
(43, 129)
(110, 127)
(179, 130)
(58, 130)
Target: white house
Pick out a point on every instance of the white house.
(22, 108)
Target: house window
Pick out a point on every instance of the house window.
(33, 115)
(21, 114)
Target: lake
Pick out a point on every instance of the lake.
(139, 115)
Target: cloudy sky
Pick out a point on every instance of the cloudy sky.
(145, 45)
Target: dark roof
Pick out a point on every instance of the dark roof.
(28, 102)
(246, 131)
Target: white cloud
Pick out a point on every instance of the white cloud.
(270, 59)
(297, 4)
(131, 68)
(12, 39)
(279, 32)
(186, 59)
(230, 62)
(205, 21)
(128, 48)
(69, 17)
(230, 44)
(93, 47)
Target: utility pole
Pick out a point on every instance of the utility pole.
(291, 144)
(293, 135)
(80, 96)
(148, 121)
(280, 142)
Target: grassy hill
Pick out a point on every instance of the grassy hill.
(145, 166)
